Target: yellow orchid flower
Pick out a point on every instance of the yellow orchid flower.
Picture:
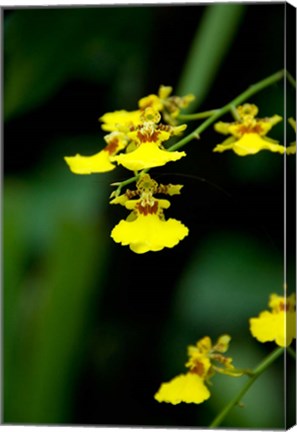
(146, 228)
(291, 149)
(170, 106)
(203, 359)
(279, 324)
(100, 162)
(248, 133)
(147, 151)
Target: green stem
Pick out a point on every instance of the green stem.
(235, 113)
(256, 373)
(291, 79)
(128, 181)
(253, 89)
(216, 114)
(197, 116)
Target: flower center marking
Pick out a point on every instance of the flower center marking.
(146, 208)
(112, 146)
(250, 129)
(148, 137)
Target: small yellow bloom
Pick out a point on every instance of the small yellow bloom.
(146, 228)
(100, 162)
(147, 151)
(277, 325)
(248, 133)
(170, 106)
(202, 364)
(291, 149)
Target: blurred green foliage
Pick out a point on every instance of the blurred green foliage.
(47, 301)
(70, 295)
(51, 45)
(210, 45)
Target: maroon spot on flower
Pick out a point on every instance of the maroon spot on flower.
(147, 209)
(250, 129)
(198, 369)
(146, 137)
(284, 306)
(112, 146)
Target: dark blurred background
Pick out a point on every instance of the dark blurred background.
(90, 328)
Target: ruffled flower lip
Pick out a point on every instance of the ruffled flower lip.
(248, 134)
(146, 228)
(277, 325)
(202, 360)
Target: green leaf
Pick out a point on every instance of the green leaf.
(66, 241)
(46, 47)
(210, 45)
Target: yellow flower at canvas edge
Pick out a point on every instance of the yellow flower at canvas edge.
(146, 229)
(204, 361)
(279, 324)
(248, 133)
(291, 149)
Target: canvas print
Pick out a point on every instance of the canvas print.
(149, 215)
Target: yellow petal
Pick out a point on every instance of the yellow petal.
(152, 101)
(149, 233)
(188, 388)
(248, 144)
(267, 123)
(97, 163)
(291, 149)
(186, 100)
(121, 199)
(222, 127)
(174, 189)
(164, 91)
(222, 344)
(292, 123)
(112, 121)
(247, 110)
(147, 155)
(177, 130)
(278, 327)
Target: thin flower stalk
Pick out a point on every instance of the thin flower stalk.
(256, 373)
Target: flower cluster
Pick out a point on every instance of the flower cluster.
(248, 133)
(146, 228)
(204, 361)
(135, 139)
(277, 325)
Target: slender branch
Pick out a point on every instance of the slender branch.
(255, 88)
(256, 373)
(128, 181)
(197, 116)
(236, 101)
(234, 113)
(290, 79)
